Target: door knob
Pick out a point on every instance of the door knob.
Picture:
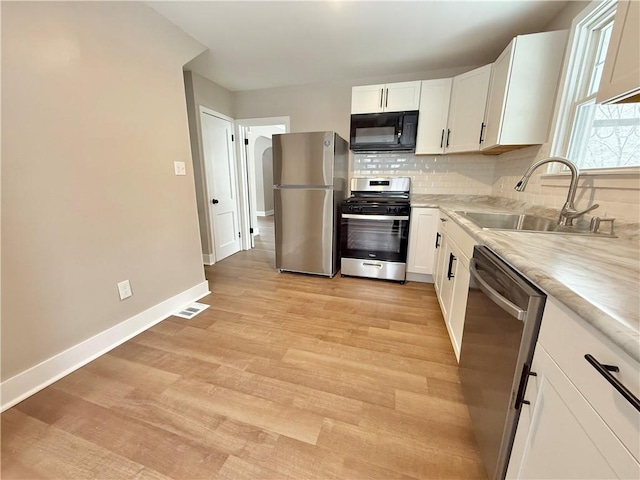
(214, 201)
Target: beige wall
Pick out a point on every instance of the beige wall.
(311, 107)
(564, 18)
(203, 92)
(93, 117)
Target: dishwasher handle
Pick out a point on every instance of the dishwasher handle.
(495, 297)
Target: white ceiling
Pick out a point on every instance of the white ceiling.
(255, 45)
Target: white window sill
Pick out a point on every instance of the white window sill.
(620, 178)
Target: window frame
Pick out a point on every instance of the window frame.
(574, 87)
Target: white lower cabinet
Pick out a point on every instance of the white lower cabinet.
(422, 240)
(575, 428)
(446, 286)
(560, 436)
(452, 277)
(439, 255)
(459, 294)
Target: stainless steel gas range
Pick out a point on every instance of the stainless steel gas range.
(374, 230)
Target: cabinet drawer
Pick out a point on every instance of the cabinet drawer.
(462, 239)
(568, 339)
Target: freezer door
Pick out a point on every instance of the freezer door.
(303, 158)
(304, 230)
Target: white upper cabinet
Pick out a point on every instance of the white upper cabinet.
(367, 99)
(390, 97)
(434, 112)
(402, 96)
(522, 92)
(466, 111)
(621, 75)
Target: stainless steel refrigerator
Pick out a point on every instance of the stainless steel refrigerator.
(310, 182)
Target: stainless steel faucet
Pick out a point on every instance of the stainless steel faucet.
(568, 212)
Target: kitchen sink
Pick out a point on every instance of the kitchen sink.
(525, 223)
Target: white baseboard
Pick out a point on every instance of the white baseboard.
(34, 379)
(419, 277)
(265, 213)
(208, 258)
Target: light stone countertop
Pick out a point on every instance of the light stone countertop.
(596, 277)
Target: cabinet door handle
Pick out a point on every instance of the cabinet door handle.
(522, 388)
(448, 135)
(481, 132)
(450, 274)
(386, 102)
(442, 139)
(381, 96)
(438, 239)
(605, 371)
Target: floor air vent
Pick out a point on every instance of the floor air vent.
(191, 311)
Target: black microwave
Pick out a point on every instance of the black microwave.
(384, 132)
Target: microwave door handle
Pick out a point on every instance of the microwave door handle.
(495, 297)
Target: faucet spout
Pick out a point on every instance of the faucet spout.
(568, 212)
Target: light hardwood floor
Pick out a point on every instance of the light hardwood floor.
(285, 377)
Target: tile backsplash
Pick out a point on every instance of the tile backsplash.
(431, 174)
(619, 197)
(476, 174)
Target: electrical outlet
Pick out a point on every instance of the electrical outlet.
(124, 289)
(180, 168)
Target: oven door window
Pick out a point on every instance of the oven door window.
(378, 239)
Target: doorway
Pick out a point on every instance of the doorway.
(257, 155)
(221, 182)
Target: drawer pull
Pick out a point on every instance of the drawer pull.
(605, 371)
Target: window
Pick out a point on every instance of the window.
(595, 136)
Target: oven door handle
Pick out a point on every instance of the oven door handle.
(375, 217)
(495, 297)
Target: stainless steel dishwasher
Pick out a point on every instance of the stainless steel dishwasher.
(501, 326)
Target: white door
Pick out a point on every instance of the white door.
(221, 184)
